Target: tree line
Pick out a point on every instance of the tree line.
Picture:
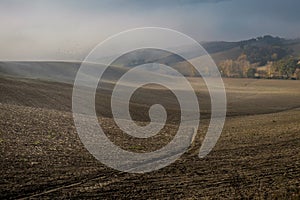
(285, 68)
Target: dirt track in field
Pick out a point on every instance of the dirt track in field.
(257, 156)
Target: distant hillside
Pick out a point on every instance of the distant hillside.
(265, 56)
(217, 47)
(47, 70)
(261, 57)
(58, 71)
(257, 49)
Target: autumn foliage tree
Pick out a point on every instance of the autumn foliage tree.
(235, 68)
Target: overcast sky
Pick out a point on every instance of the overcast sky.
(58, 29)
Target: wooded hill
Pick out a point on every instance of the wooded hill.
(262, 57)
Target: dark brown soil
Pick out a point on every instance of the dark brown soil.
(257, 156)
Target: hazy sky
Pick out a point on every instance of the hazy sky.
(68, 29)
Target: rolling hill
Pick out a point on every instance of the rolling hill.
(258, 51)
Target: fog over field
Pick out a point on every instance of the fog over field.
(55, 30)
(205, 106)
